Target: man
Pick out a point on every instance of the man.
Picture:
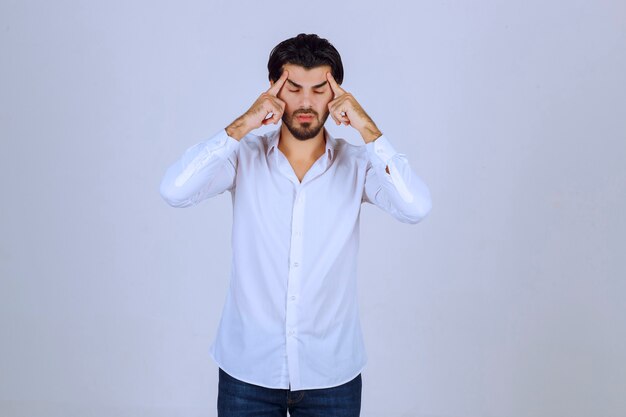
(290, 338)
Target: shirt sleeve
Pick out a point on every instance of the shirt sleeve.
(204, 170)
(400, 192)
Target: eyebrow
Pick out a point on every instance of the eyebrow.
(299, 86)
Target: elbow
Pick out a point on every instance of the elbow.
(415, 201)
(418, 214)
(170, 194)
(418, 210)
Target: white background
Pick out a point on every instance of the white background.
(507, 301)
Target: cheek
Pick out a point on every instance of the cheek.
(289, 104)
(322, 102)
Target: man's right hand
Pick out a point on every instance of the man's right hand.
(268, 108)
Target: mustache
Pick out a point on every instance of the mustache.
(305, 112)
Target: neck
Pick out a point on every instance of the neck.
(297, 149)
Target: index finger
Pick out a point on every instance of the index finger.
(275, 88)
(334, 86)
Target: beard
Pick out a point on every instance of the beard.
(306, 130)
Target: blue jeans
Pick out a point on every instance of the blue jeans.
(240, 399)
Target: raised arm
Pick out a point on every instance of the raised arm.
(390, 183)
(209, 168)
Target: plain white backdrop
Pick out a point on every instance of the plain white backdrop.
(506, 301)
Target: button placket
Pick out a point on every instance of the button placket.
(293, 284)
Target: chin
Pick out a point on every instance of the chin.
(304, 131)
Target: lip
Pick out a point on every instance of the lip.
(305, 117)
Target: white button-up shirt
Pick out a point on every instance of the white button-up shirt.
(291, 319)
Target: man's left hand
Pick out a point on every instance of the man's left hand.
(345, 109)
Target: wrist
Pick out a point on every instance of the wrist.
(370, 133)
(238, 129)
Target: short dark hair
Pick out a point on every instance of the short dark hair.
(308, 51)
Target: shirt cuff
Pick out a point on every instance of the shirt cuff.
(381, 149)
(221, 144)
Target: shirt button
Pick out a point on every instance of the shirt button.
(291, 332)
(292, 298)
(296, 264)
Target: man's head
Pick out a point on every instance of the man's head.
(308, 51)
(306, 92)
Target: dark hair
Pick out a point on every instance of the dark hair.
(308, 51)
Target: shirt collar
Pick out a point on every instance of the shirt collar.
(330, 142)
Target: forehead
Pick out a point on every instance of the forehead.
(307, 76)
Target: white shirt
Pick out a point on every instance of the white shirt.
(291, 319)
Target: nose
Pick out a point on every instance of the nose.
(305, 99)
